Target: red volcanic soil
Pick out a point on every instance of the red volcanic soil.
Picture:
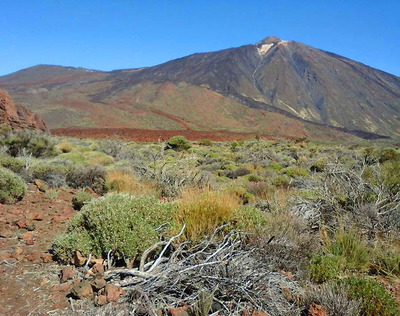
(144, 135)
(28, 276)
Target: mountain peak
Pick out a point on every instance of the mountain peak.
(270, 40)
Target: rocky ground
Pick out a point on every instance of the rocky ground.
(27, 274)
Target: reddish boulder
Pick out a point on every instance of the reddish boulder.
(66, 274)
(82, 290)
(98, 284)
(16, 116)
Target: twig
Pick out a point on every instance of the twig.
(147, 252)
(165, 248)
(72, 304)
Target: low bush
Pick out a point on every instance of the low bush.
(285, 242)
(91, 176)
(374, 299)
(238, 172)
(336, 299)
(88, 158)
(203, 211)
(12, 187)
(386, 154)
(14, 164)
(344, 254)
(53, 173)
(295, 172)
(281, 181)
(122, 181)
(247, 219)
(29, 142)
(51, 194)
(111, 147)
(390, 175)
(65, 147)
(81, 198)
(179, 143)
(41, 146)
(205, 142)
(122, 223)
(386, 261)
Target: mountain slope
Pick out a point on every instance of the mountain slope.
(275, 87)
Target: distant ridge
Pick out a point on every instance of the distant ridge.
(274, 86)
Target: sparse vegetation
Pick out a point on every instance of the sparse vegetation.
(12, 187)
(327, 214)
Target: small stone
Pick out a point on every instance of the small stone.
(41, 185)
(46, 257)
(101, 300)
(178, 311)
(64, 287)
(66, 274)
(21, 224)
(82, 290)
(113, 292)
(28, 237)
(79, 260)
(34, 256)
(98, 284)
(5, 233)
(98, 268)
(18, 250)
(35, 217)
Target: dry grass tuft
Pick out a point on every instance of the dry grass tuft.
(123, 182)
(204, 210)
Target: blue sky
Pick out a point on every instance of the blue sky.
(109, 35)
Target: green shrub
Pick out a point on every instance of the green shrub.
(81, 198)
(318, 165)
(12, 187)
(325, 267)
(344, 254)
(52, 172)
(253, 178)
(275, 166)
(122, 223)
(205, 142)
(14, 164)
(295, 172)
(41, 146)
(52, 194)
(386, 154)
(387, 261)
(374, 299)
(4, 129)
(29, 141)
(391, 175)
(281, 181)
(179, 143)
(248, 219)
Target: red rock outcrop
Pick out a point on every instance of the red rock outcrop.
(16, 116)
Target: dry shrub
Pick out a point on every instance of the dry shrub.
(260, 189)
(335, 298)
(286, 242)
(123, 182)
(65, 147)
(203, 211)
